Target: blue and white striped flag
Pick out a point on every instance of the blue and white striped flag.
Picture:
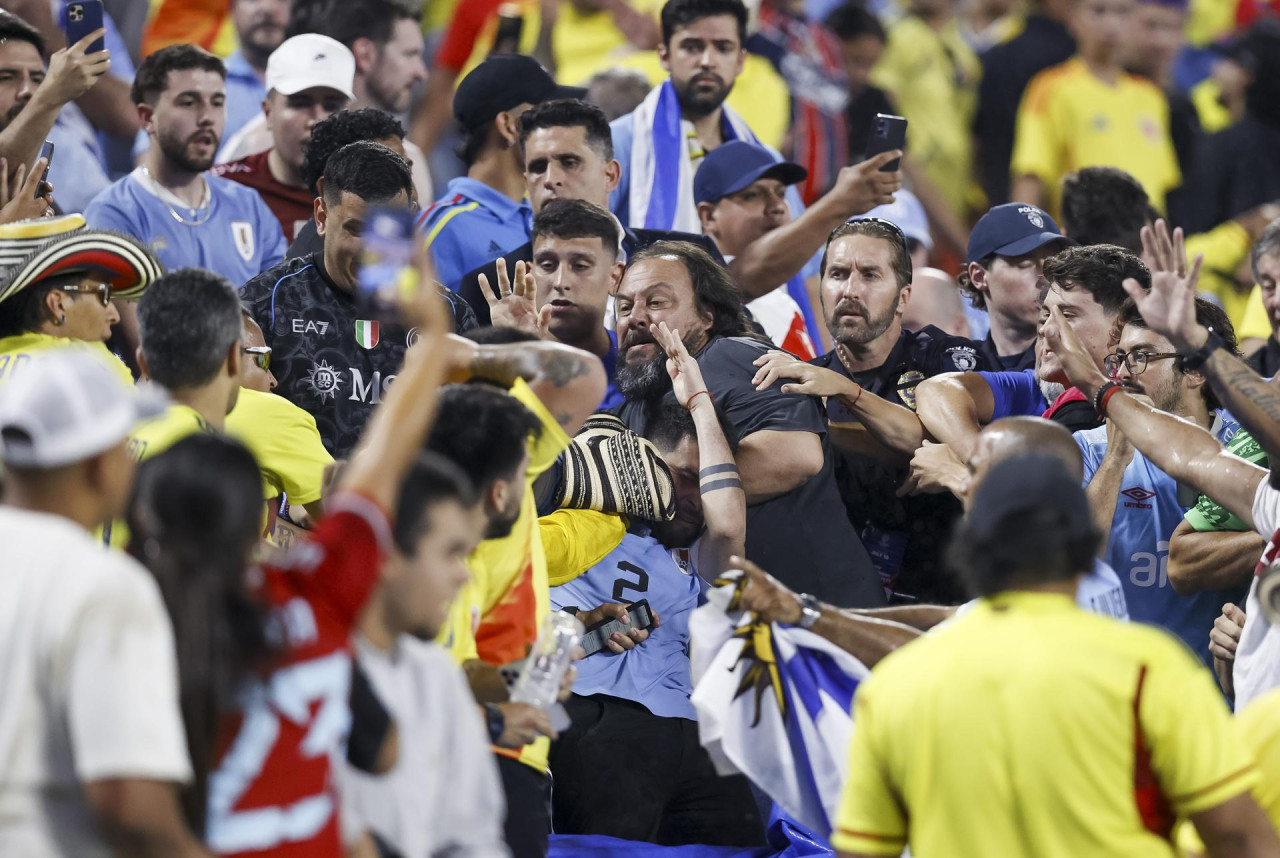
(774, 703)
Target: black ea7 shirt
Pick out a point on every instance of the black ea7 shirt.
(803, 538)
(328, 361)
(906, 537)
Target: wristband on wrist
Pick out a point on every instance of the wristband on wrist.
(1194, 361)
(700, 393)
(1103, 394)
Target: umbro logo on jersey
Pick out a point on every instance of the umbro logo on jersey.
(493, 247)
(306, 326)
(1136, 497)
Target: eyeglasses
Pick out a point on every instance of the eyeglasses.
(103, 291)
(1136, 361)
(261, 356)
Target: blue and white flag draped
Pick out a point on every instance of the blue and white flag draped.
(661, 170)
(774, 703)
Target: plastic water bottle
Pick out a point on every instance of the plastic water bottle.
(539, 682)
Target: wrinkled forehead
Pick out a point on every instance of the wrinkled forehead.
(656, 274)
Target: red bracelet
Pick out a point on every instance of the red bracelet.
(1106, 397)
(699, 393)
(856, 398)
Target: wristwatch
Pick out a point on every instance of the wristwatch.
(495, 720)
(810, 610)
(1197, 358)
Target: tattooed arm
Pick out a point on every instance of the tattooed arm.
(569, 381)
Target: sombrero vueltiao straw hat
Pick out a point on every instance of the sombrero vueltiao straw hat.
(35, 250)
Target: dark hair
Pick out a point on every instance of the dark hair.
(976, 298)
(714, 291)
(1100, 270)
(369, 170)
(483, 431)
(375, 20)
(1208, 314)
(431, 480)
(305, 16)
(677, 14)
(1032, 546)
(569, 113)
(852, 20)
(340, 129)
(15, 29)
(1104, 205)
(26, 311)
(576, 219)
(1268, 244)
(194, 519)
(901, 261)
(490, 335)
(188, 320)
(152, 77)
(669, 423)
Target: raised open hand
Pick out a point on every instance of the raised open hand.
(514, 305)
(686, 375)
(1169, 308)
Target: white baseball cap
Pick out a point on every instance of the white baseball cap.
(66, 406)
(907, 213)
(310, 60)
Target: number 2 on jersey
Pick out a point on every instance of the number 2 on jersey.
(621, 585)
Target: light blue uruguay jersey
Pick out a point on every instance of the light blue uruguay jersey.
(234, 234)
(656, 674)
(1147, 511)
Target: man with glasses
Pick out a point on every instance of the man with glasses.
(869, 381)
(1135, 503)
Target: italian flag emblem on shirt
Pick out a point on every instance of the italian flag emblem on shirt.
(366, 333)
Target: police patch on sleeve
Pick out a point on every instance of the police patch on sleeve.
(963, 358)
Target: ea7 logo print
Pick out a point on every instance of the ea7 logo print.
(306, 326)
(1136, 497)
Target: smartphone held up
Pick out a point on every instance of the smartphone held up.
(387, 277)
(79, 19)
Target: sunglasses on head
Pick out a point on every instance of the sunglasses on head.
(261, 356)
(103, 291)
(896, 231)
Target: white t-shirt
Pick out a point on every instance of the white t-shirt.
(1257, 666)
(88, 683)
(444, 795)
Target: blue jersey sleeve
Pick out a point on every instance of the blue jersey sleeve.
(273, 243)
(623, 130)
(1016, 394)
(103, 213)
(1093, 446)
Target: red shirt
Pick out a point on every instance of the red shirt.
(291, 206)
(272, 791)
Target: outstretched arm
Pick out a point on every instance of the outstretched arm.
(953, 408)
(724, 503)
(568, 381)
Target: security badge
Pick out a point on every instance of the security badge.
(907, 387)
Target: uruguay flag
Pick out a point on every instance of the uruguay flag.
(774, 703)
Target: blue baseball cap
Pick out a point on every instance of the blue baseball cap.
(735, 165)
(1012, 229)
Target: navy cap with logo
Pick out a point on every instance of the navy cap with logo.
(1022, 483)
(1013, 229)
(504, 81)
(735, 165)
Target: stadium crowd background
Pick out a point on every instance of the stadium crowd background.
(969, 440)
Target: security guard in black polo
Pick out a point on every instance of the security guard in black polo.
(862, 305)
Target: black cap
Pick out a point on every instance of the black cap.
(733, 166)
(1023, 483)
(502, 82)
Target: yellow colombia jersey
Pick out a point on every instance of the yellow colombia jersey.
(1070, 119)
(499, 613)
(933, 77)
(1087, 738)
(285, 441)
(16, 351)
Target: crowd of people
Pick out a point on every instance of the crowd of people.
(989, 411)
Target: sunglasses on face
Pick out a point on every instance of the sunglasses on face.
(261, 356)
(103, 291)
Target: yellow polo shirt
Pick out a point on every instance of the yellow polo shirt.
(21, 349)
(1030, 727)
(1070, 119)
(285, 442)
